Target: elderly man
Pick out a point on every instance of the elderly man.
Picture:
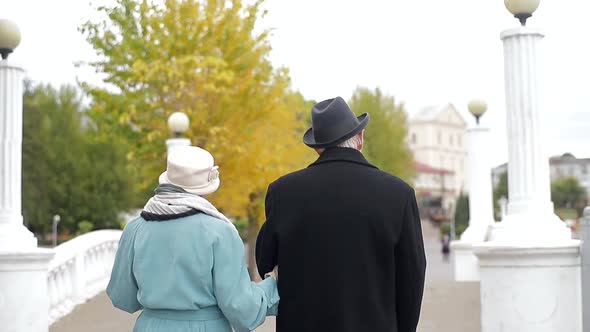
(346, 236)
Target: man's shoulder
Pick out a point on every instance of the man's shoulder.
(392, 180)
(290, 178)
(378, 177)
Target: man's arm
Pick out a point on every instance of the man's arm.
(266, 243)
(410, 268)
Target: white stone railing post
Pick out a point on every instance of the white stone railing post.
(80, 270)
(79, 291)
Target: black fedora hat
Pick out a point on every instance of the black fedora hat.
(333, 122)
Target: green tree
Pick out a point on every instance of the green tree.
(461, 214)
(500, 190)
(66, 169)
(567, 192)
(385, 136)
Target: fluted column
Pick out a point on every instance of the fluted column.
(481, 215)
(24, 300)
(481, 212)
(530, 273)
(12, 232)
(529, 184)
(528, 166)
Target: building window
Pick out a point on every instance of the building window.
(414, 138)
(439, 139)
(451, 140)
(459, 140)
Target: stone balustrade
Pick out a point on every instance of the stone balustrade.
(80, 270)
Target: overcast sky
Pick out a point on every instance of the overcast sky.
(423, 52)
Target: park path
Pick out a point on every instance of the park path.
(448, 306)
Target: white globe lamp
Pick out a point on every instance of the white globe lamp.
(9, 37)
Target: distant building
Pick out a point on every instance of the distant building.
(559, 166)
(432, 189)
(437, 139)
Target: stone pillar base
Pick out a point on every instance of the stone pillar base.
(530, 288)
(15, 236)
(24, 304)
(530, 229)
(466, 264)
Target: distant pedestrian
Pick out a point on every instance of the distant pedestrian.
(446, 246)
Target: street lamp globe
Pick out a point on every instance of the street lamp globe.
(477, 108)
(178, 123)
(9, 37)
(522, 9)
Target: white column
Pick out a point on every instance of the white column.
(530, 268)
(12, 232)
(481, 215)
(173, 143)
(481, 210)
(24, 301)
(530, 213)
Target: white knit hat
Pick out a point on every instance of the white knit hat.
(192, 169)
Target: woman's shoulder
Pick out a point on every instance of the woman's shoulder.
(215, 224)
(203, 223)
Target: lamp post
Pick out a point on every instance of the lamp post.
(481, 215)
(12, 231)
(24, 302)
(477, 108)
(9, 37)
(178, 123)
(56, 220)
(522, 9)
(530, 268)
(481, 209)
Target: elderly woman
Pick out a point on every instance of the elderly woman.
(182, 261)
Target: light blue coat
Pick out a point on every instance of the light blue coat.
(188, 274)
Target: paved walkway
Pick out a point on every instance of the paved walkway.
(448, 306)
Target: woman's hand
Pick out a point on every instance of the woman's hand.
(273, 274)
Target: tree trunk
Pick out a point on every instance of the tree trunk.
(251, 236)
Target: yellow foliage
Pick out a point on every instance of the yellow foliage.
(205, 59)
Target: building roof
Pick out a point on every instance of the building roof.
(431, 113)
(568, 158)
(423, 168)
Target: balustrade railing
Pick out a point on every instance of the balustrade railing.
(80, 270)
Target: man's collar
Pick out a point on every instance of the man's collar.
(342, 154)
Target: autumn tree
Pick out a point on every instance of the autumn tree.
(208, 60)
(386, 133)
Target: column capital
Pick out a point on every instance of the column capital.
(9, 65)
(521, 31)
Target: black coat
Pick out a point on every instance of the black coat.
(348, 242)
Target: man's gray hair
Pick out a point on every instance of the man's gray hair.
(352, 142)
